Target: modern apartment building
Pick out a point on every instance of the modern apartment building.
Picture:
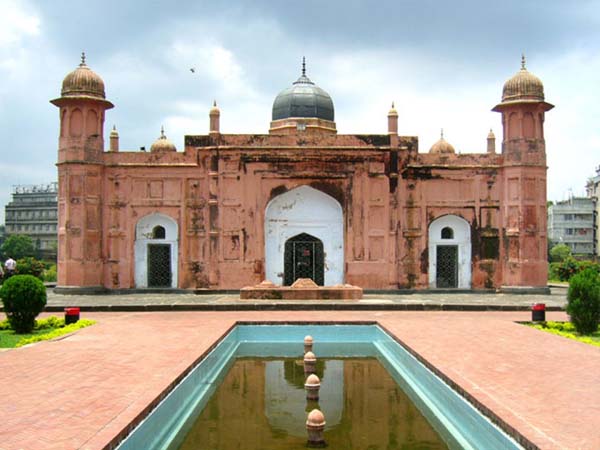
(572, 222)
(593, 192)
(33, 212)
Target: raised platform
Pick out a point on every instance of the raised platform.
(302, 289)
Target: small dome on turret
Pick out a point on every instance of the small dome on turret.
(523, 86)
(303, 99)
(162, 144)
(442, 146)
(83, 82)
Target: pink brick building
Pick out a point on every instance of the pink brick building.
(300, 201)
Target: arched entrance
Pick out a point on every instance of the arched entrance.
(298, 220)
(156, 251)
(303, 257)
(450, 253)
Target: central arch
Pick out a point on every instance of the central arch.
(304, 210)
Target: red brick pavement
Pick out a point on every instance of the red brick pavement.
(81, 391)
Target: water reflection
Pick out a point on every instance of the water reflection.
(261, 404)
(285, 398)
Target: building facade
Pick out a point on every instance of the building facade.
(33, 211)
(231, 210)
(593, 192)
(571, 222)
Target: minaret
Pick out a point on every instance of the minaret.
(80, 164)
(491, 142)
(215, 117)
(114, 140)
(393, 121)
(524, 181)
(393, 126)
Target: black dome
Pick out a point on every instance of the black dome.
(303, 99)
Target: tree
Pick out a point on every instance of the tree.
(18, 246)
(559, 253)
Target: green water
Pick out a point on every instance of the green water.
(261, 404)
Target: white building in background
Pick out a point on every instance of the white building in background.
(572, 222)
(33, 211)
(593, 192)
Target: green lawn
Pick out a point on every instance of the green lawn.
(48, 328)
(566, 329)
(8, 338)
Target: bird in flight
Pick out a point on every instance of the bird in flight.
(193, 69)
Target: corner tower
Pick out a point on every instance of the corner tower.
(82, 105)
(523, 108)
(303, 107)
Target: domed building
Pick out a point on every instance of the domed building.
(162, 144)
(441, 146)
(303, 106)
(301, 200)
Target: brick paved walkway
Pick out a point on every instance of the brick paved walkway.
(82, 391)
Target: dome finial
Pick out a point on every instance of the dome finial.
(162, 132)
(442, 133)
(214, 103)
(303, 66)
(82, 59)
(393, 105)
(523, 62)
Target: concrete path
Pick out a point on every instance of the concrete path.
(469, 301)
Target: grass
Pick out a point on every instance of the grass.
(45, 329)
(567, 329)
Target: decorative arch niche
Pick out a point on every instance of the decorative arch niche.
(156, 236)
(449, 243)
(310, 211)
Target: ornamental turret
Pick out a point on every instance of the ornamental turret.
(80, 169)
(523, 107)
(82, 105)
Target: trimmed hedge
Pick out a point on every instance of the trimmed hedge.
(65, 329)
(24, 297)
(584, 301)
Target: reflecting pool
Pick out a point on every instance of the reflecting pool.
(261, 404)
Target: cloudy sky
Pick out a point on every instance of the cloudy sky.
(443, 63)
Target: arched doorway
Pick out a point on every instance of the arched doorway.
(303, 257)
(304, 213)
(450, 253)
(156, 252)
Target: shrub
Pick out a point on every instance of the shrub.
(584, 301)
(559, 253)
(50, 273)
(65, 329)
(30, 266)
(586, 264)
(24, 297)
(567, 269)
(553, 271)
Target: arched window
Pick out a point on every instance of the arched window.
(158, 232)
(447, 233)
